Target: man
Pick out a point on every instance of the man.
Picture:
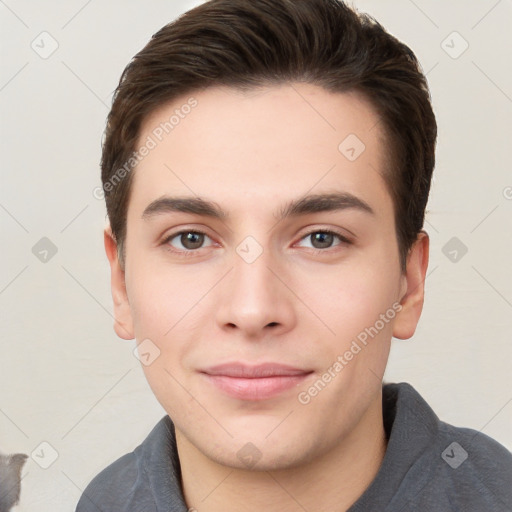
(266, 168)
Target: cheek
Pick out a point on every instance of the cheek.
(164, 306)
(164, 299)
(351, 297)
(171, 307)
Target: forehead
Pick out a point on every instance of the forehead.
(267, 144)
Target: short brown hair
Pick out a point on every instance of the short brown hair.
(244, 44)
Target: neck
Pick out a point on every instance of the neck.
(330, 482)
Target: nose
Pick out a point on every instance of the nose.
(254, 300)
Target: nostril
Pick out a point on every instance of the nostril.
(272, 324)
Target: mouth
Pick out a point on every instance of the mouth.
(259, 382)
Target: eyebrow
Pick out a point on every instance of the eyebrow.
(306, 205)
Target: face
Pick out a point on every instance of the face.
(262, 271)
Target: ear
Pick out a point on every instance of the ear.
(123, 323)
(413, 289)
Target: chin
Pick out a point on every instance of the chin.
(257, 450)
(251, 458)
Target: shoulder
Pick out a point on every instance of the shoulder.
(460, 466)
(126, 484)
(474, 460)
(465, 470)
(116, 480)
(115, 488)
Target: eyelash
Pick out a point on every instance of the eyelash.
(192, 252)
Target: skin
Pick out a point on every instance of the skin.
(252, 154)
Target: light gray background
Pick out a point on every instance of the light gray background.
(67, 380)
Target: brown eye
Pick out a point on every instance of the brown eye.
(189, 240)
(321, 240)
(192, 240)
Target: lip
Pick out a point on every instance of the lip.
(255, 382)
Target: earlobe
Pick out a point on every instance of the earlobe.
(414, 286)
(123, 324)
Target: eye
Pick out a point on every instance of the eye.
(189, 240)
(323, 239)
